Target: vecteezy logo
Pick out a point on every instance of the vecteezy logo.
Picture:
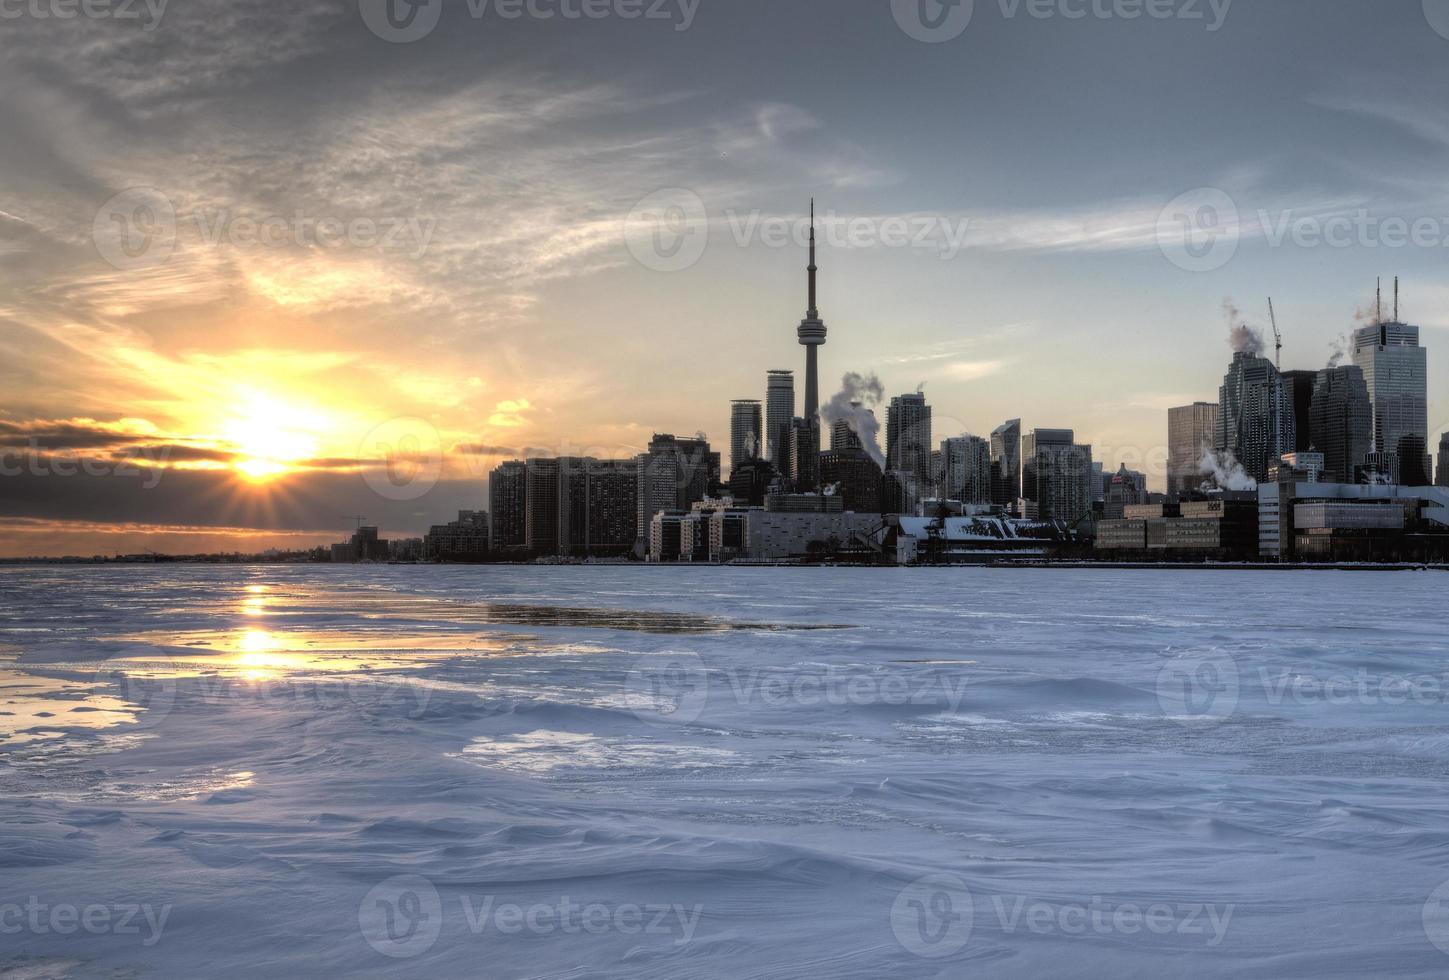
(933, 21)
(933, 916)
(1199, 688)
(667, 231)
(1436, 918)
(146, 683)
(400, 21)
(402, 458)
(1199, 231)
(402, 917)
(135, 228)
(670, 689)
(1436, 12)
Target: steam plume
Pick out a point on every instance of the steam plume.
(1226, 472)
(858, 394)
(1241, 337)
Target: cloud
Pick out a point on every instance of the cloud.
(973, 370)
(483, 449)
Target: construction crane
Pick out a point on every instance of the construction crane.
(1277, 337)
(359, 518)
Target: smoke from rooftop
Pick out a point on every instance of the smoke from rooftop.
(858, 394)
(1243, 338)
(1226, 472)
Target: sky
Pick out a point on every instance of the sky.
(267, 270)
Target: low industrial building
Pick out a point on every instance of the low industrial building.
(1223, 527)
(970, 540)
(1339, 522)
(717, 531)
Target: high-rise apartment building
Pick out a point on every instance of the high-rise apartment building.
(843, 434)
(908, 439)
(613, 491)
(507, 505)
(1255, 419)
(746, 429)
(580, 506)
(1006, 464)
(1191, 432)
(966, 470)
(779, 417)
(1342, 422)
(546, 505)
(673, 475)
(1056, 476)
(805, 454)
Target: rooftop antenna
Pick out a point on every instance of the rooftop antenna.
(1277, 337)
(1379, 301)
(1396, 299)
(812, 268)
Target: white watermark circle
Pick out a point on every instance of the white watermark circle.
(1199, 231)
(145, 682)
(1436, 12)
(135, 229)
(1436, 918)
(933, 21)
(400, 21)
(403, 458)
(933, 916)
(668, 230)
(1199, 688)
(401, 917)
(671, 689)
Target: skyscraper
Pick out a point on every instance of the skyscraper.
(1191, 431)
(811, 334)
(1056, 476)
(1298, 391)
(779, 416)
(745, 431)
(1006, 464)
(842, 435)
(674, 474)
(507, 503)
(805, 454)
(908, 439)
(1395, 368)
(613, 486)
(542, 510)
(966, 470)
(1342, 422)
(1443, 477)
(855, 476)
(1255, 418)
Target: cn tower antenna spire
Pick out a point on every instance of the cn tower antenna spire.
(813, 312)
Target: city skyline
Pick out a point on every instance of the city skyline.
(501, 304)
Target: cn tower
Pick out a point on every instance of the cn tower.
(812, 337)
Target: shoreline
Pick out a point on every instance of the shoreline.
(1036, 565)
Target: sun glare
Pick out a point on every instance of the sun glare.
(268, 436)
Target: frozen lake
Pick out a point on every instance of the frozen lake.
(676, 772)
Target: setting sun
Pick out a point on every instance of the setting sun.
(269, 436)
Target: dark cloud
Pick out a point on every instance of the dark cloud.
(483, 449)
(212, 498)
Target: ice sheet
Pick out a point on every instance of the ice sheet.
(716, 772)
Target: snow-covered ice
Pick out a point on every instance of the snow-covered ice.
(722, 772)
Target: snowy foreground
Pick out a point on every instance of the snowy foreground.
(665, 772)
